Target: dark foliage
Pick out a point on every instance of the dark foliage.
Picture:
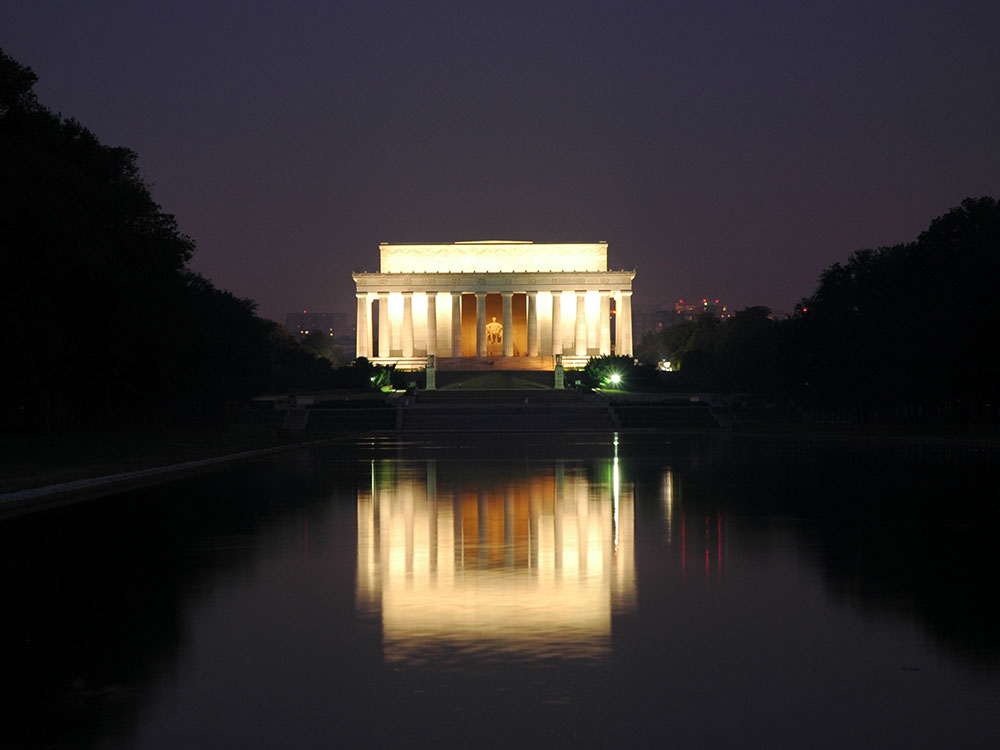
(895, 334)
(739, 354)
(904, 331)
(609, 371)
(104, 324)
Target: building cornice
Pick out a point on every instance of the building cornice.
(495, 282)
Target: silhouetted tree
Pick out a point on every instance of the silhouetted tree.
(904, 330)
(323, 345)
(107, 327)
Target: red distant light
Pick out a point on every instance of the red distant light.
(680, 302)
(704, 300)
(716, 301)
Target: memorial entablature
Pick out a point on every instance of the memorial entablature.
(493, 299)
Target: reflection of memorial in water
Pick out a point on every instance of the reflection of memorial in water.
(495, 559)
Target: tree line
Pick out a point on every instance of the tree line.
(105, 325)
(894, 333)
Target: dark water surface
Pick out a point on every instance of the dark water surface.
(518, 592)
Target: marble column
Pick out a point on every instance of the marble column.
(625, 325)
(532, 324)
(480, 324)
(508, 325)
(557, 332)
(580, 334)
(406, 339)
(618, 322)
(432, 323)
(364, 326)
(384, 326)
(604, 332)
(456, 324)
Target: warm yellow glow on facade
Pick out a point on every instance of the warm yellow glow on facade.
(535, 565)
(533, 290)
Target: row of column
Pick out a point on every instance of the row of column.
(623, 324)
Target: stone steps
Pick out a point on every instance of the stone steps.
(489, 364)
(501, 413)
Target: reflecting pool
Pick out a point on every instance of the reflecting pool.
(557, 591)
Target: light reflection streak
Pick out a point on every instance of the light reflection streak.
(718, 543)
(616, 488)
(667, 493)
(673, 509)
(521, 563)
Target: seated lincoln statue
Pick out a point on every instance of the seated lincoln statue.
(494, 332)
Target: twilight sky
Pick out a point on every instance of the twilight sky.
(723, 149)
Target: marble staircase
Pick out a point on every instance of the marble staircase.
(505, 411)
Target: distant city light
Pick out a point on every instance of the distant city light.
(616, 378)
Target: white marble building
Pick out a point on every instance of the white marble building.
(521, 303)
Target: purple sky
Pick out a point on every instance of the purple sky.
(730, 150)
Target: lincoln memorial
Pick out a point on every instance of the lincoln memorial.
(518, 304)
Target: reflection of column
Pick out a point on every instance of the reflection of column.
(625, 325)
(480, 324)
(581, 324)
(558, 517)
(604, 331)
(432, 517)
(508, 325)
(364, 327)
(407, 337)
(482, 529)
(409, 518)
(432, 323)
(508, 527)
(557, 334)
(532, 324)
(456, 324)
(384, 326)
(535, 501)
